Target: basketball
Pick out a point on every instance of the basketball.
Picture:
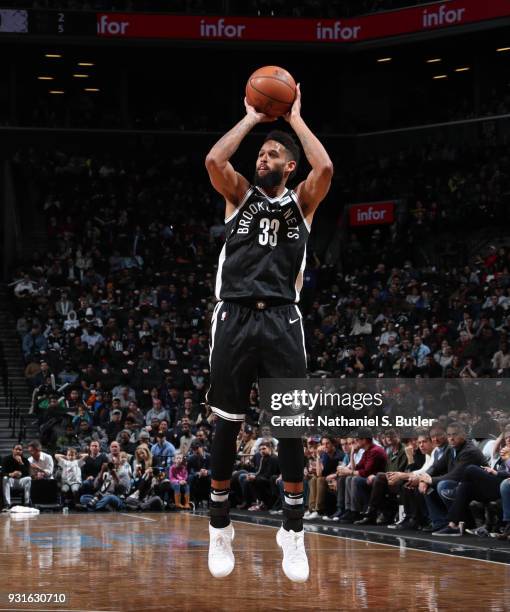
(271, 90)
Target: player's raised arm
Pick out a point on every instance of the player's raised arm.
(314, 189)
(224, 178)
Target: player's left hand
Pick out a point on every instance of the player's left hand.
(259, 117)
(295, 111)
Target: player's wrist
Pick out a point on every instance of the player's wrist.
(296, 121)
(251, 120)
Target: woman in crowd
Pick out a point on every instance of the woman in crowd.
(179, 482)
(142, 461)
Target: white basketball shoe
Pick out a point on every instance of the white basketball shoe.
(221, 558)
(295, 561)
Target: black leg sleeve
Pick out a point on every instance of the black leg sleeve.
(223, 451)
(291, 459)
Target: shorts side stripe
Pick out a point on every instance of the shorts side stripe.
(302, 331)
(227, 415)
(214, 320)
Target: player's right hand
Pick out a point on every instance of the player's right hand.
(260, 117)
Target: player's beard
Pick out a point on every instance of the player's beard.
(271, 179)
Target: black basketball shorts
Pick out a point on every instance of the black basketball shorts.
(247, 344)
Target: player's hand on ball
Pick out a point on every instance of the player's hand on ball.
(260, 117)
(295, 111)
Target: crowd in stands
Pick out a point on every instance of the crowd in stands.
(434, 478)
(148, 475)
(438, 481)
(448, 188)
(113, 321)
(421, 103)
(495, 100)
(418, 103)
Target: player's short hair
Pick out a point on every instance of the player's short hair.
(292, 147)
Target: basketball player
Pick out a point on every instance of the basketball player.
(257, 329)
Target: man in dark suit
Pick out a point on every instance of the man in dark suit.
(16, 475)
(199, 472)
(442, 478)
(259, 483)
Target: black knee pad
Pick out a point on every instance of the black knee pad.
(223, 450)
(291, 459)
(293, 512)
(219, 509)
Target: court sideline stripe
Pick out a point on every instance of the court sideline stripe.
(69, 525)
(142, 518)
(328, 535)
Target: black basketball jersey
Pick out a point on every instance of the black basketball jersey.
(264, 254)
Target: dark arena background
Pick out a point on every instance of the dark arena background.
(110, 233)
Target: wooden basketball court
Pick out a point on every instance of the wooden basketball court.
(136, 562)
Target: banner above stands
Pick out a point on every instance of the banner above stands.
(424, 18)
(373, 213)
(434, 17)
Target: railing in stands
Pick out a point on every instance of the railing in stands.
(14, 411)
(22, 429)
(11, 221)
(3, 371)
(15, 418)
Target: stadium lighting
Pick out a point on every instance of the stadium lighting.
(463, 69)
(81, 76)
(384, 59)
(440, 76)
(434, 60)
(56, 91)
(45, 78)
(91, 89)
(85, 64)
(501, 49)
(52, 55)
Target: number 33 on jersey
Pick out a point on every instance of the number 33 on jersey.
(264, 255)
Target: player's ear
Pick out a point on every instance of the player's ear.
(291, 166)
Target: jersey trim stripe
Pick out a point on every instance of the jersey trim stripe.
(298, 285)
(272, 200)
(221, 261)
(228, 219)
(296, 200)
(241, 204)
(227, 415)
